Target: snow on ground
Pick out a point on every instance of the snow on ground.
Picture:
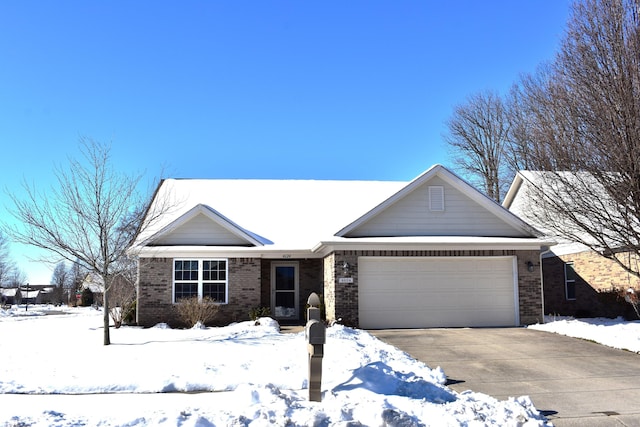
(54, 371)
(616, 333)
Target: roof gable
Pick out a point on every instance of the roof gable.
(203, 225)
(438, 203)
(292, 214)
(540, 197)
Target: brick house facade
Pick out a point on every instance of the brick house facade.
(236, 241)
(249, 286)
(595, 279)
(577, 281)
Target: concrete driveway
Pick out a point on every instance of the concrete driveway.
(571, 381)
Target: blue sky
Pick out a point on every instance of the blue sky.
(252, 89)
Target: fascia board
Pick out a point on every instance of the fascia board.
(514, 188)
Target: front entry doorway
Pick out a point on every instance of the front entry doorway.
(284, 290)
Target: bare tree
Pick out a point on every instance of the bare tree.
(477, 135)
(122, 294)
(60, 276)
(581, 114)
(60, 281)
(17, 278)
(6, 267)
(123, 290)
(82, 218)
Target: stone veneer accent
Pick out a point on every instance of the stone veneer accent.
(155, 287)
(341, 301)
(594, 274)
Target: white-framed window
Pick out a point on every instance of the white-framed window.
(202, 278)
(569, 281)
(436, 198)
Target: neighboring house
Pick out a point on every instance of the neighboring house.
(9, 295)
(33, 294)
(29, 296)
(46, 295)
(433, 252)
(94, 283)
(577, 281)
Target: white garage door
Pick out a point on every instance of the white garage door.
(428, 292)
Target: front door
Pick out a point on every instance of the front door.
(284, 290)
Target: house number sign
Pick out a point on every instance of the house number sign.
(345, 280)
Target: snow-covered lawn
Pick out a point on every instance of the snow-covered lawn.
(54, 371)
(616, 333)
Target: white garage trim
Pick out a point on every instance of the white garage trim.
(422, 292)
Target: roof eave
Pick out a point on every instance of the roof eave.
(431, 243)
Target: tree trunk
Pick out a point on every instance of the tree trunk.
(105, 308)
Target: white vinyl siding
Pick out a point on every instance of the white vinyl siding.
(426, 292)
(201, 230)
(412, 216)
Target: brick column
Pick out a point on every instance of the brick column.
(329, 287)
(530, 288)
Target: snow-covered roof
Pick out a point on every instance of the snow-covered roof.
(94, 283)
(532, 195)
(283, 213)
(30, 294)
(297, 215)
(8, 292)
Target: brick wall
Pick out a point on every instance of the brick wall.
(594, 273)
(341, 300)
(155, 291)
(244, 289)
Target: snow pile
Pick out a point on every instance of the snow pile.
(616, 333)
(56, 372)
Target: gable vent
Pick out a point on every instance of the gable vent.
(436, 198)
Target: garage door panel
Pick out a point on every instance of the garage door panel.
(436, 292)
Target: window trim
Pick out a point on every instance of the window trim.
(200, 281)
(568, 281)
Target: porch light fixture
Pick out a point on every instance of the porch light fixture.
(345, 267)
(530, 266)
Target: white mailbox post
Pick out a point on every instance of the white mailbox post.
(315, 334)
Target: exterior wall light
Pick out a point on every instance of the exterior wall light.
(530, 266)
(345, 267)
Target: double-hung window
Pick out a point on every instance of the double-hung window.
(570, 281)
(202, 278)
